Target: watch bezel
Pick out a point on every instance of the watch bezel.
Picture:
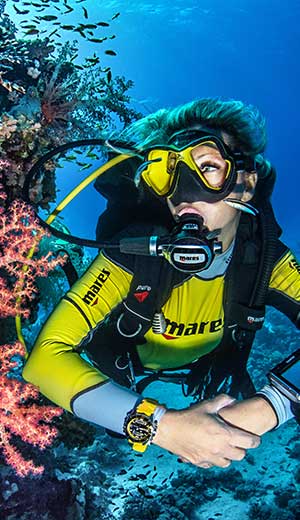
(142, 422)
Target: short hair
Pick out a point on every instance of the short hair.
(243, 122)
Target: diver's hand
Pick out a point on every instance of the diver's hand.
(199, 435)
(254, 415)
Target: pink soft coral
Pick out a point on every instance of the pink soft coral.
(21, 415)
(19, 232)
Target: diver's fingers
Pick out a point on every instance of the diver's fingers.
(241, 438)
(220, 462)
(235, 453)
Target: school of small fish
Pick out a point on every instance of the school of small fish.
(53, 13)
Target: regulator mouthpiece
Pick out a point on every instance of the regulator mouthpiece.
(193, 247)
(190, 248)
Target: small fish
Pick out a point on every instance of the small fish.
(170, 476)
(69, 9)
(92, 156)
(103, 24)
(32, 32)
(155, 475)
(30, 26)
(88, 26)
(86, 166)
(97, 40)
(85, 12)
(109, 76)
(142, 491)
(18, 11)
(68, 27)
(146, 466)
(111, 53)
(48, 17)
(160, 456)
(115, 16)
(10, 86)
(165, 480)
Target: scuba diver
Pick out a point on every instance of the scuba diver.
(182, 298)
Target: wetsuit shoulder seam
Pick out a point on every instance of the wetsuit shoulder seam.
(68, 299)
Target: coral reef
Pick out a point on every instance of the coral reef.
(46, 96)
(43, 99)
(19, 232)
(21, 415)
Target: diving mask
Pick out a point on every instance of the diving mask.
(194, 165)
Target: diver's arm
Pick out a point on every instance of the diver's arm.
(55, 365)
(254, 415)
(263, 413)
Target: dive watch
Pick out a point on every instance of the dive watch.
(140, 424)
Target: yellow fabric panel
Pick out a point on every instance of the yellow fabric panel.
(195, 324)
(53, 365)
(285, 277)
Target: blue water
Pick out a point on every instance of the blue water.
(179, 50)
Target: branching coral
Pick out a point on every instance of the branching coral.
(21, 415)
(19, 233)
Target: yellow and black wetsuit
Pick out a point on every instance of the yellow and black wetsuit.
(194, 314)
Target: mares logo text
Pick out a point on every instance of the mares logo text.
(90, 295)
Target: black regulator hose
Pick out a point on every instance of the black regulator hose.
(34, 171)
(270, 231)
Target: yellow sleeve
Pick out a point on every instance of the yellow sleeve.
(286, 277)
(54, 365)
(284, 287)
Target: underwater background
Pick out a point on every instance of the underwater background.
(166, 53)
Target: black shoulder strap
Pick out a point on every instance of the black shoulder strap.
(246, 285)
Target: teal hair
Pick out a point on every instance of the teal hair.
(244, 123)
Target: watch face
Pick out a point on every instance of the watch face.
(139, 428)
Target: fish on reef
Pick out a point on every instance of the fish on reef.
(10, 86)
(110, 52)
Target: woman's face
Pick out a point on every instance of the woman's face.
(218, 215)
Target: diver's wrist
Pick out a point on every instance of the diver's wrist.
(280, 404)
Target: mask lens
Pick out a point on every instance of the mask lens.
(211, 167)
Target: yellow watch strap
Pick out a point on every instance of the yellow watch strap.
(147, 407)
